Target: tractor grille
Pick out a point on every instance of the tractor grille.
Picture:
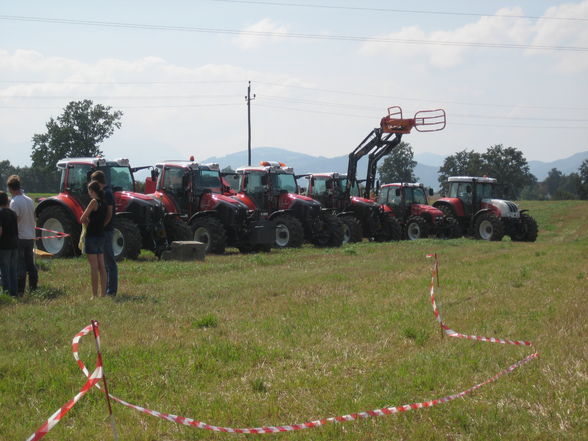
(512, 207)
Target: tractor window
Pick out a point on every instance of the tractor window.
(209, 179)
(383, 196)
(254, 184)
(353, 191)
(77, 180)
(173, 180)
(484, 191)
(319, 187)
(419, 196)
(464, 191)
(283, 182)
(121, 179)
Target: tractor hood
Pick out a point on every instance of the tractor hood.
(501, 207)
(361, 201)
(419, 209)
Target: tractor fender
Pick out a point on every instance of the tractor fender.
(280, 212)
(453, 203)
(201, 214)
(70, 206)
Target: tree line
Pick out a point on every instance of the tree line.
(83, 126)
(507, 164)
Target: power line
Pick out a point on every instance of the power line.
(292, 35)
(404, 11)
(120, 82)
(381, 97)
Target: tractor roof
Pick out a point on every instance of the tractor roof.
(404, 184)
(485, 179)
(181, 163)
(96, 161)
(332, 175)
(267, 167)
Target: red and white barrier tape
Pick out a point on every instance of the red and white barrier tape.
(58, 234)
(97, 375)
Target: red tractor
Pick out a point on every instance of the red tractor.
(361, 217)
(408, 203)
(471, 201)
(140, 220)
(194, 192)
(272, 188)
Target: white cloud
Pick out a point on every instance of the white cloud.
(248, 40)
(496, 30)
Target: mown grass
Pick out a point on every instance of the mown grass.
(291, 336)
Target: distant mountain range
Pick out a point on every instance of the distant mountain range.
(426, 169)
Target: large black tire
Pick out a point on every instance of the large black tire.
(488, 227)
(416, 228)
(176, 229)
(210, 231)
(352, 231)
(126, 239)
(527, 231)
(453, 228)
(331, 234)
(57, 219)
(289, 232)
(389, 230)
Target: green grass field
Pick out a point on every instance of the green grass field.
(292, 336)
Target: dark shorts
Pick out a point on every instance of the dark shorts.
(94, 245)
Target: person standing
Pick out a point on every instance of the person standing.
(93, 217)
(8, 246)
(109, 260)
(24, 208)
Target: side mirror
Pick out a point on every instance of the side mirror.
(469, 189)
(154, 174)
(397, 192)
(431, 192)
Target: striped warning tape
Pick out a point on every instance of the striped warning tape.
(96, 376)
(58, 234)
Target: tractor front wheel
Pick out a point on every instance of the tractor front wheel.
(126, 239)
(389, 230)
(176, 229)
(352, 231)
(526, 231)
(489, 227)
(416, 228)
(289, 232)
(210, 232)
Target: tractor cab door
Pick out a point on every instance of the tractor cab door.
(463, 191)
(76, 182)
(322, 190)
(255, 185)
(175, 183)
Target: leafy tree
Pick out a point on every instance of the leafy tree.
(553, 181)
(399, 165)
(583, 178)
(463, 163)
(77, 132)
(508, 166)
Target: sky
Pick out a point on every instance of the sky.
(323, 73)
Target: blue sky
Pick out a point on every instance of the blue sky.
(179, 72)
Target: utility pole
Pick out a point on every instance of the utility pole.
(249, 99)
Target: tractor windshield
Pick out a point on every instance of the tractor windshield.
(283, 182)
(121, 178)
(209, 179)
(354, 191)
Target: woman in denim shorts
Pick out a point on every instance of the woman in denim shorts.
(94, 217)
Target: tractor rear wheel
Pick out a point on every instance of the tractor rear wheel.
(176, 229)
(527, 232)
(211, 233)
(55, 218)
(352, 231)
(289, 232)
(489, 227)
(126, 239)
(416, 228)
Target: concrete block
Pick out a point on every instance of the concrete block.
(185, 250)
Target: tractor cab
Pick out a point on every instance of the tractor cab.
(404, 198)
